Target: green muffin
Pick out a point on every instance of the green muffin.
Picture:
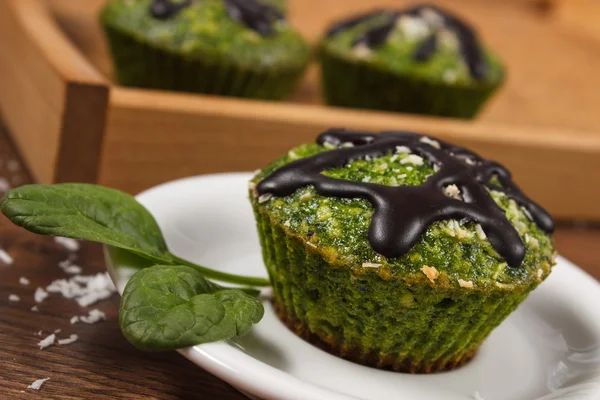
(421, 60)
(397, 250)
(242, 48)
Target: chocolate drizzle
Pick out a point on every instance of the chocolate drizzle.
(256, 16)
(378, 35)
(403, 213)
(165, 9)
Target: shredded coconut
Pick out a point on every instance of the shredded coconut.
(431, 273)
(311, 244)
(480, 233)
(93, 316)
(39, 333)
(36, 385)
(23, 281)
(432, 17)
(86, 290)
(540, 272)
(361, 50)
(40, 295)
(251, 185)
(35, 309)
(71, 339)
(429, 141)
(4, 185)
(402, 150)
(264, 197)
(72, 269)
(48, 341)
(452, 191)
(465, 284)
(67, 243)
(413, 28)
(412, 159)
(14, 298)
(370, 265)
(58, 331)
(5, 257)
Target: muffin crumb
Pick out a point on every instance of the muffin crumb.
(431, 273)
(465, 284)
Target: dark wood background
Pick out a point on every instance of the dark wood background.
(102, 364)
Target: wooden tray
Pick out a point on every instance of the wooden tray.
(72, 124)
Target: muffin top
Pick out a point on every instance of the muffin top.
(405, 205)
(425, 42)
(249, 33)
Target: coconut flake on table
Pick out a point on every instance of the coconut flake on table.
(40, 295)
(86, 290)
(23, 281)
(71, 339)
(4, 185)
(67, 243)
(35, 309)
(14, 298)
(5, 257)
(93, 316)
(36, 385)
(47, 341)
(68, 267)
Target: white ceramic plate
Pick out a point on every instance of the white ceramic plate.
(548, 349)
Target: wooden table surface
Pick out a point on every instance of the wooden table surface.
(102, 364)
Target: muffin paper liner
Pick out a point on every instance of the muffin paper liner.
(139, 64)
(357, 85)
(387, 324)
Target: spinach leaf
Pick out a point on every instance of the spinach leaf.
(88, 212)
(167, 307)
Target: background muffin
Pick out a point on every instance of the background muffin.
(239, 48)
(420, 60)
(415, 288)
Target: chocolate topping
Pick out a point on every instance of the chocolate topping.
(164, 9)
(256, 16)
(403, 213)
(378, 35)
